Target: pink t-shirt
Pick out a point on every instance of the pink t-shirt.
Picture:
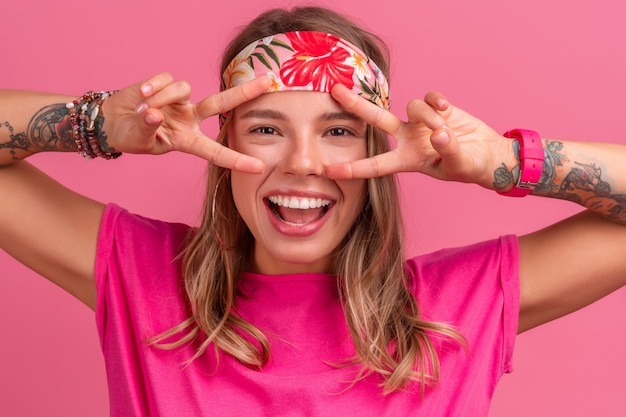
(140, 295)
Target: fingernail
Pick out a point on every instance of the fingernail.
(441, 103)
(146, 88)
(141, 107)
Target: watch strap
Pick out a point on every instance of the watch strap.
(531, 162)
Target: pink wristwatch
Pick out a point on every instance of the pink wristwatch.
(531, 161)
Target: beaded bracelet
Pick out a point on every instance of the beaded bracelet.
(86, 124)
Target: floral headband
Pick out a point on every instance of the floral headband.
(312, 61)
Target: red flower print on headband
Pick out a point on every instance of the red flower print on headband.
(318, 59)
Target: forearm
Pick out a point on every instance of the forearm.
(590, 174)
(33, 122)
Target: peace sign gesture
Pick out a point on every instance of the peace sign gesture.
(156, 116)
(438, 139)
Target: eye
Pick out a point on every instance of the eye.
(264, 130)
(340, 131)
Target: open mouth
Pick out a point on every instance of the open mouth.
(298, 211)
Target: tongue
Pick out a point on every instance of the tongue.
(298, 216)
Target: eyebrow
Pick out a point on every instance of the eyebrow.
(263, 114)
(340, 115)
(273, 114)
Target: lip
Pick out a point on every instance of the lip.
(303, 230)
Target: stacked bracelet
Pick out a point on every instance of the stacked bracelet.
(86, 124)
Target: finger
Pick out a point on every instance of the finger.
(370, 112)
(153, 117)
(383, 164)
(447, 146)
(437, 101)
(135, 134)
(225, 157)
(420, 112)
(174, 92)
(233, 97)
(155, 84)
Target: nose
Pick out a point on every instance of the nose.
(304, 156)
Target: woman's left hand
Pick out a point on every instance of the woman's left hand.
(438, 139)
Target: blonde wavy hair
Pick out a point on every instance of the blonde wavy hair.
(389, 336)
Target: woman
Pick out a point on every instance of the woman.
(294, 237)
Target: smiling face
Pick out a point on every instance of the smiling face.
(296, 214)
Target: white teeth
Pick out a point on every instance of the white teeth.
(298, 202)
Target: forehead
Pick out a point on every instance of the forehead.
(292, 104)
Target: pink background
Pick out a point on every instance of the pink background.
(557, 67)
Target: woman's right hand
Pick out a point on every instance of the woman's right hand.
(155, 116)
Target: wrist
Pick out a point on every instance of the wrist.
(530, 155)
(87, 121)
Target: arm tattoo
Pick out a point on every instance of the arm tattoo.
(552, 158)
(583, 184)
(16, 140)
(102, 135)
(502, 176)
(48, 130)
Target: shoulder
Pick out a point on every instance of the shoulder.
(131, 239)
(480, 272)
(116, 217)
(119, 225)
(476, 257)
(137, 247)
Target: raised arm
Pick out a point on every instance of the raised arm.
(563, 267)
(39, 225)
(579, 260)
(53, 230)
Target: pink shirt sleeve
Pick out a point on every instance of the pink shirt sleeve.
(476, 289)
(138, 297)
